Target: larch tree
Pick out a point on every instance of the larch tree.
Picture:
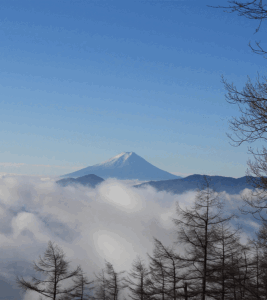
(158, 277)
(109, 283)
(138, 280)
(101, 291)
(54, 266)
(227, 245)
(196, 231)
(116, 283)
(167, 272)
(83, 287)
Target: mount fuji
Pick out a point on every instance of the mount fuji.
(126, 165)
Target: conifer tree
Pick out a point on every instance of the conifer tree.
(138, 280)
(101, 290)
(56, 269)
(226, 246)
(158, 278)
(167, 272)
(196, 230)
(109, 283)
(116, 283)
(83, 287)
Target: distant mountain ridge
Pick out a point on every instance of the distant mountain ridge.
(175, 186)
(126, 165)
(193, 182)
(90, 180)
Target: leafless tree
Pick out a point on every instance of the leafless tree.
(109, 283)
(158, 277)
(226, 246)
(83, 287)
(167, 274)
(101, 288)
(250, 127)
(116, 283)
(253, 10)
(138, 280)
(259, 264)
(263, 273)
(197, 232)
(251, 101)
(56, 269)
(241, 273)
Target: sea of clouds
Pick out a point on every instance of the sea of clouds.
(113, 222)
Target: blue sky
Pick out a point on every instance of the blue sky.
(82, 81)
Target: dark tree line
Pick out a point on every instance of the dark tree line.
(207, 261)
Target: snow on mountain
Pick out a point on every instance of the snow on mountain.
(126, 165)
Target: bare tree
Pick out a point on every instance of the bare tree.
(56, 269)
(226, 246)
(263, 273)
(110, 283)
(197, 232)
(242, 270)
(258, 285)
(115, 282)
(101, 289)
(251, 101)
(167, 274)
(253, 10)
(262, 236)
(138, 280)
(158, 277)
(250, 127)
(83, 287)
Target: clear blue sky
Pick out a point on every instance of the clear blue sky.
(82, 81)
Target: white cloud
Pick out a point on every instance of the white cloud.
(115, 221)
(17, 165)
(23, 169)
(8, 164)
(181, 174)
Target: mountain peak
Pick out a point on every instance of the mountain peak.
(126, 165)
(121, 159)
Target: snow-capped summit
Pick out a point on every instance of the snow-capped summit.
(118, 160)
(126, 165)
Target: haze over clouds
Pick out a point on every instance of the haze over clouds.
(115, 222)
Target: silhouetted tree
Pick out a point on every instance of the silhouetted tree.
(83, 287)
(158, 277)
(258, 282)
(167, 274)
(101, 289)
(109, 283)
(138, 280)
(253, 10)
(227, 245)
(197, 232)
(263, 274)
(250, 127)
(252, 104)
(56, 269)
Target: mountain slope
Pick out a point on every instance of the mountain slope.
(192, 182)
(126, 165)
(87, 180)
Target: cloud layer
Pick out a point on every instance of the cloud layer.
(115, 222)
